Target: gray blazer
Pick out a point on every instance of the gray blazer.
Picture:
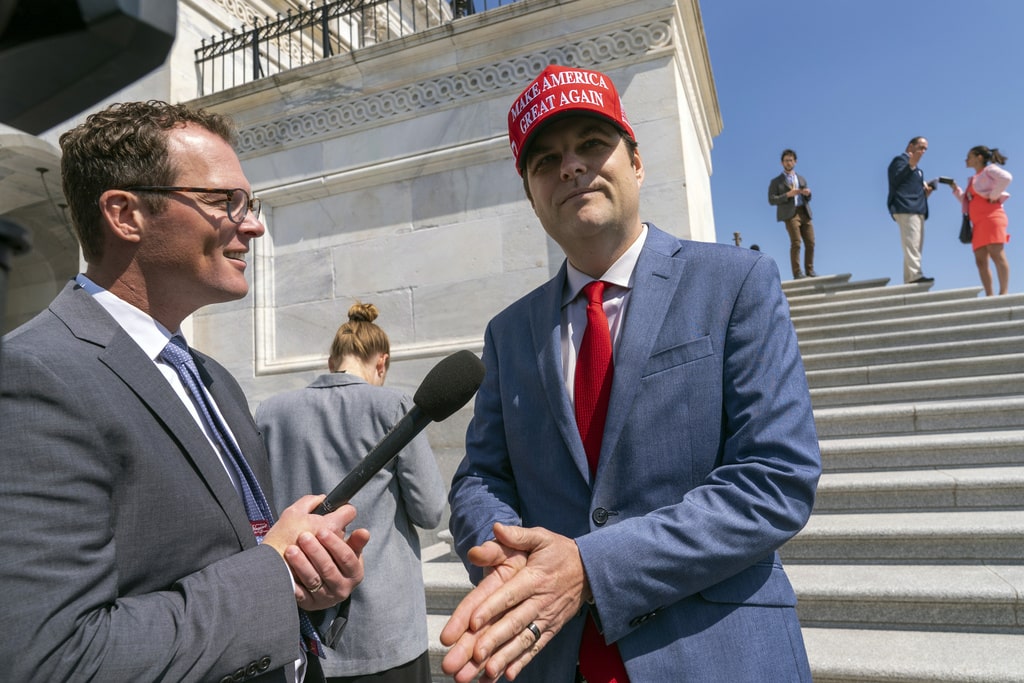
(317, 435)
(785, 207)
(709, 464)
(125, 552)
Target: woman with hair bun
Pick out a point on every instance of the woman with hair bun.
(317, 435)
(983, 202)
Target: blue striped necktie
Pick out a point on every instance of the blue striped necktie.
(261, 517)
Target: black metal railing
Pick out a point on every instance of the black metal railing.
(274, 45)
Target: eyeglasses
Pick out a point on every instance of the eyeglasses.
(239, 201)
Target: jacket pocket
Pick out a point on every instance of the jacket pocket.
(764, 584)
(687, 352)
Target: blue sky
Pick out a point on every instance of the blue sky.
(846, 84)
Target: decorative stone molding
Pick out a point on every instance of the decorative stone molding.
(344, 117)
(246, 12)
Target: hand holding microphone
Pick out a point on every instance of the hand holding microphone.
(447, 387)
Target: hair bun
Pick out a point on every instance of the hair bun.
(362, 313)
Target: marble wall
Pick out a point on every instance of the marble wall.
(386, 174)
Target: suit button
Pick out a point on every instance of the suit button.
(636, 621)
(600, 516)
(263, 664)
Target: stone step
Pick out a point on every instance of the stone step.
(885, 299)
(1002, 384)
(918, 451)
(962, 537)
(844, 292)
(909, 323)
(888, 308)
(933, 335)
(435, 623)
(917, 370)
(894, 656)
(845, 655)
(876, 656)
(446, 583)
(817, 283)
(972, 598)
(947, 596)
(921, 417)
(933, 489)
(923, 351)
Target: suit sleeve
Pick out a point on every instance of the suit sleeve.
(483, 490)
(777, 192)
(758, 494)
(70, 462)
(899, 170)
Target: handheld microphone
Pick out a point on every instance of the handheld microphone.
(447, 387)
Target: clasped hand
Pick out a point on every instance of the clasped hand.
(532, 576)
(325, 567)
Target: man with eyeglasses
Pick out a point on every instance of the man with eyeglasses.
(136, 542)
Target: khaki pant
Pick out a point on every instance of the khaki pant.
(800, 228)
(912, 237)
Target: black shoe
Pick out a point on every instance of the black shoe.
(798, 275)
(811, 273)
(923, 280)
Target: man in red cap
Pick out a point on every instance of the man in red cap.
(642, 443)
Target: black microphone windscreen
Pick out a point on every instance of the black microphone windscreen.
(449, 385)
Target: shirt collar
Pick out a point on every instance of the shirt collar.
(620, 273)
(149, 334)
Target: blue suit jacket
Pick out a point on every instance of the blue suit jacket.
(709, 463)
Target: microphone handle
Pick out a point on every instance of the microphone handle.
(411, 424)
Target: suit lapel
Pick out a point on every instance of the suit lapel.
(88, 321)
(546, 330)
(655, 283)
(240, 422)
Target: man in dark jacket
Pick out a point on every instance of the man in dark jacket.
(789, 194)
(908, 205)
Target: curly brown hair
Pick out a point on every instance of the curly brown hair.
(121, 146)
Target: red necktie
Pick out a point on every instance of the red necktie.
(599, 662)
(594, 371)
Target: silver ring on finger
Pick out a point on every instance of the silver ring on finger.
(532, 628)
(318, 587)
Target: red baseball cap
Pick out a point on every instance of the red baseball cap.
(556, 92)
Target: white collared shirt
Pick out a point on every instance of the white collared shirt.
(574, 307)
(794, 181)
(152, 337)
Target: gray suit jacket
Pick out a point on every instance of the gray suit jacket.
(785, 207)
(709, 463)
(125, 552)
(317, 435)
